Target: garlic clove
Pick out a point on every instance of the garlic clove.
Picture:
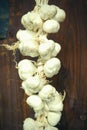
(52, 67)
(53, 118)
(47, 11)
(35, 102)
(51, 26)
(26, 68)
(47, 93)
(60, 16)
(56, 49)
(29, 124)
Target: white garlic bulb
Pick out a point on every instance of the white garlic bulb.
(33, 84)
(53, 118)
(46, 49)
(60, 15)
(29, 124)
(26, 68)
(25, 35)
(47, 93)
(47, 11)
(29, 48)
(56, 50)
(56, 105)
(51, 26)
(35, 102)
(52, 67)
(32, 21)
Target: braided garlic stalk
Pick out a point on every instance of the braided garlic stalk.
(45, 100)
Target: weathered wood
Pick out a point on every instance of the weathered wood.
(72, 76)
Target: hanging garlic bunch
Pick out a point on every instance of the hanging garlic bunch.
(45, 100)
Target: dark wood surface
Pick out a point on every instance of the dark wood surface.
(72, 77)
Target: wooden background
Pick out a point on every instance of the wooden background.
(72, 77)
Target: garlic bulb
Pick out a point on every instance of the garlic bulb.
(56, 105)
(47, 11)
(35, 102)
(46, 49)
(33, 84)
(32, 21)
(29, 48)
(60, 15)
(25, 35)
(29, 124)
(51, 26)
(56, 50)
(47, 93)
(53, 118)
(52, 67)
(26, 68)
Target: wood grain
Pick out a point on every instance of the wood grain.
(72, 77)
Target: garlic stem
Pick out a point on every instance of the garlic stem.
(41, 2)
